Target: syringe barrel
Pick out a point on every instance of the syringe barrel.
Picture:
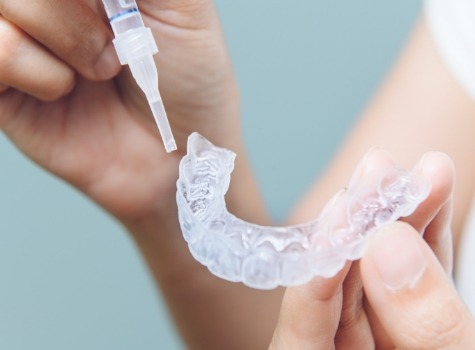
(132, 39)
(123, 15)
(135, 44)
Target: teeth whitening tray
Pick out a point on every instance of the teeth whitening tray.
(260, 257)
(136, 46)
(266, 257)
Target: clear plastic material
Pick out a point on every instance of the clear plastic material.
(136, 46)
(266, 257)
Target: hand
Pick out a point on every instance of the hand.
(65, 105)
(333, 313)
(411, 294)
(59, 105)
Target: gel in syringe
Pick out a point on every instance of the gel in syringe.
(136, 46)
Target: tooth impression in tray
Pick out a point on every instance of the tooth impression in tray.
(265, 257)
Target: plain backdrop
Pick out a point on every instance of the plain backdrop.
(70, 278)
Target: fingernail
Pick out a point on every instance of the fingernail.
(332, 203)
(108, 64)
(360, 167)
(397, 256)
(421, 162)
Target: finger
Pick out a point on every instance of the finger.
(3, 88)
(438, 235)
(381, 339)
(71, 30)
(433, 217)
(310, 314)
(27, 66)
(375, 159)
(439, 238)
(439, 169)
(411, 294)
(354, 331)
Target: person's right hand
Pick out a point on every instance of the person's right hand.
(411, 294)
(334, 313)
(60, 104)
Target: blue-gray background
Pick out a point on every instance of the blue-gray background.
(70, 278)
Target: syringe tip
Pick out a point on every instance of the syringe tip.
(163, 125)
(170, 146)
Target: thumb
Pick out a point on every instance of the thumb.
(411, 294)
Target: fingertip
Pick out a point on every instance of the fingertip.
(62, 87)
(436, 157)
(107, 65)
(72, 31)
(360, 168)
(438, 167)
(377, 158)
(369, 167)
(310, 314)
(322, 288)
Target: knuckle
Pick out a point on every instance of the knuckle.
(81, 50)
(86, 46)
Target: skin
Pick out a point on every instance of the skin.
(365, 317)
(83, 118)
(92, 127)
(333, 313)
(424, 312)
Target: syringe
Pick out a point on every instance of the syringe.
(136, 46)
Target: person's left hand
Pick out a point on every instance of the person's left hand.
(334, 313)
(64, 103)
